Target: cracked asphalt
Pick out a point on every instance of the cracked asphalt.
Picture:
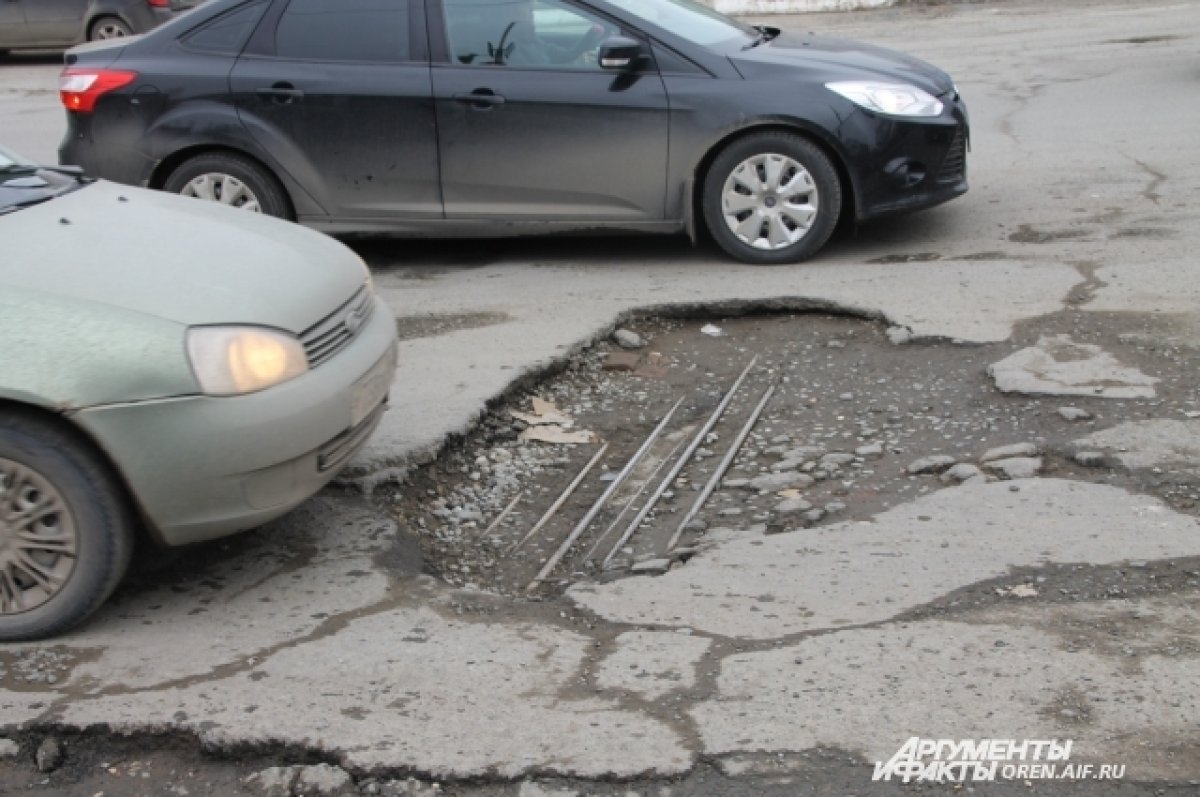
(1059, 606)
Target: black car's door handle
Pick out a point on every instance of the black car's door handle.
(281, 93)
(481, 98)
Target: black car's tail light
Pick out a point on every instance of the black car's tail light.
(79, 89)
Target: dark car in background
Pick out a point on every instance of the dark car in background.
(504, 117)
(62, 23)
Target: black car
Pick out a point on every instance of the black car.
(502, 117)
(62, 23)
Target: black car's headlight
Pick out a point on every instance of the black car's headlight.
(894, 99)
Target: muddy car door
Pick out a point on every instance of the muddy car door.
(338, 91)
(532, 126)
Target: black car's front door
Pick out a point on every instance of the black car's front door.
(530, 127)
(338, 92)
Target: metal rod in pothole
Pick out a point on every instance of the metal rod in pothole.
(549, 513)
(604, 534)
(726, 461)
(500, 518)
(683, 460)
(582, 525)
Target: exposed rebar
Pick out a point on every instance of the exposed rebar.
(683, 460)
(726, 461)
(549, 513)
(582, 525)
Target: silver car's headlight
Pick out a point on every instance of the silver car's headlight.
(896, 99)
(229, 361)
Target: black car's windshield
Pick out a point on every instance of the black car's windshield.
(693, 21)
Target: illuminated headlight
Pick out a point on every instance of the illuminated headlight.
(895, 99)
(229, 361)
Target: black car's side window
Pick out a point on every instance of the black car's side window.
(525, 33)
(344, 30)
(227, 34)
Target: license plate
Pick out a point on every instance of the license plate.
(372, 387)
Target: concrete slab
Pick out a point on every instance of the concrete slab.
(1058, 366)
(409, 688)
(855, 573)
(311, 567)
(1148, 444)
(650, 664)
(870, 690)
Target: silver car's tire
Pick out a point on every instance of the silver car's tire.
(771, 198)
(66, 532)
(232, 180)
(108, 28)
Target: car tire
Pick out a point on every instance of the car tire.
(77, 540)
(782, 181)
(232, 180)
(108, 28)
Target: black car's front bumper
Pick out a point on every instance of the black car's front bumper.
(911, 163)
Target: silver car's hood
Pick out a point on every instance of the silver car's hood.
(112, 244)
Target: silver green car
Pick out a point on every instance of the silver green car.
(169, 366)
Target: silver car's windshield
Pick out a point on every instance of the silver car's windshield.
(9, 159)
(693, 21)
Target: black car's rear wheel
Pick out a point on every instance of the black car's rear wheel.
(108, 28)
(771, 198)
(232, 180)
(65, 529)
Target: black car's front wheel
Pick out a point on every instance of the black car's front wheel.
(231, 180)
(65, 529)
(771, 198)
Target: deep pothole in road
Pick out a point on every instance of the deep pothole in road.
(851, 411)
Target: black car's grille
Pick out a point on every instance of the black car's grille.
(955, 163)
(334, 333)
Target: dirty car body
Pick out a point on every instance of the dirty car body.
(168, 365)
(461, 117)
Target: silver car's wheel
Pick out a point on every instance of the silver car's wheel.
(770, 201)
(38, 539)
(231, 179)
(109, 28)
(223, 188)
(772, 197)
(66, 531)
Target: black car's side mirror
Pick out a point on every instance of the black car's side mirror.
(620, 53)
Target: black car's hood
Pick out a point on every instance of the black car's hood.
(839, 59)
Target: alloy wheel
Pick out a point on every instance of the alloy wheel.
(38, 539)
(769, 201)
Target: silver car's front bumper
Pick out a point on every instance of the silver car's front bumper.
(203, 467)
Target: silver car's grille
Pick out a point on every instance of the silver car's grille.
(334, 333)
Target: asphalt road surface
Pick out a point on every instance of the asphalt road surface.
(788, 659)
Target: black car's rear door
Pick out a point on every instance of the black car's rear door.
(530, 127)
(339, 92)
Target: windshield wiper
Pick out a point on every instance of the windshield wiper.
(765, 34)
(28, 203)
(23, 169)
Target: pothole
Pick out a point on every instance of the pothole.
(850, 415)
